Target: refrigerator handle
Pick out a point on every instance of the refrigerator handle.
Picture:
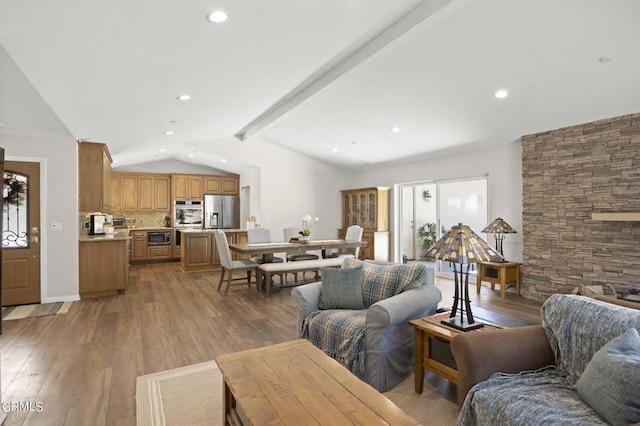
(221, 222)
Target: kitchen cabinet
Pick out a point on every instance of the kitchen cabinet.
(221, 185)
(94, 176)
(159, 252)
(198, 249)
(368, 208)
(129, 194)
(141, 192)
(116, 190)
(138, 245)
(162, 193)
(187, 187)
(104, 267)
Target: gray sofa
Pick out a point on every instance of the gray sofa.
(579, 367)
(378, 339)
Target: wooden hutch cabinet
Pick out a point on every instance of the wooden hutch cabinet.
(368, 208)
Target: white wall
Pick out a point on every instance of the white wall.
(286, 185)
(59, 190)
(503, 165)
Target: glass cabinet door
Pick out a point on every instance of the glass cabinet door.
(346, 210)
(362, 220)
(354, 210)
(372, 211)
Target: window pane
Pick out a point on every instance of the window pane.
(15, 208)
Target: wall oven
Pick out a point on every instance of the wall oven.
(158, 238)
(187, 214)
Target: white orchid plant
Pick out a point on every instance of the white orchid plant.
(307, 223)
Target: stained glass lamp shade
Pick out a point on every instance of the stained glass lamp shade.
(462, 247)
(499, 227)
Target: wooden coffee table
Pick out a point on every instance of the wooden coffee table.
(433, 348)
(295, 383)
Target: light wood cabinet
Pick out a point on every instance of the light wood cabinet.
(138, 245)
(146, 193)
(103, 267)
(221, 185)
(94, 175)
(162, 193)
(187, 187)
(129, 194)
(141, 192)
(199, 251)
(116, 191)
(368, 208)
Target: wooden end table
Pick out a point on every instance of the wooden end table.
(501, 273)
(433, 348)
(296, 383)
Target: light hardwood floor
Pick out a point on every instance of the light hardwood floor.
(82, 366)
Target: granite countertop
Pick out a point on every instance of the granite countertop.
(208, 230)
(149, 228)
(120, 234)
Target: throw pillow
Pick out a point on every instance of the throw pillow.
(611, 382)
(383, 281)
(341, 288)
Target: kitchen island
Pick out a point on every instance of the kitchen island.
(104, 264)
(198, 250)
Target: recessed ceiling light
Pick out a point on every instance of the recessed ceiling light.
(334, 149)
(501, 94)
(223, 160)
(115, 161)
(184, 97)
(395, 129)
(191, 155)
(163, 149)
(168, 132)
(217, 16)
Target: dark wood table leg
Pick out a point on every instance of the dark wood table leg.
(419, 357)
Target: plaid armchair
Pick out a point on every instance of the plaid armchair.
(376, 343)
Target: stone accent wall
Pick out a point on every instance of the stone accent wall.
(567, 175)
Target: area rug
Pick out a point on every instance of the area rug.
(192, 395)
(37, 310)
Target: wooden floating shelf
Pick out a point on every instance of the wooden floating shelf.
(617, 217)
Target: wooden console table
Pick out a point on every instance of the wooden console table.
(433, 348)
(295, 383)
(501, 273)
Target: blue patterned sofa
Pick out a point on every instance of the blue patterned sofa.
(375, 342)
(546, 374)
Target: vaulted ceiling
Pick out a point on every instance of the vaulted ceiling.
(328, 79)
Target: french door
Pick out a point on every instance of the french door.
(444, 204)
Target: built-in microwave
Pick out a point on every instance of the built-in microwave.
(187, 213)
(158, 238)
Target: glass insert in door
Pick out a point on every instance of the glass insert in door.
(15, 211)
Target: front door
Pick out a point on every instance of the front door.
(21, 233)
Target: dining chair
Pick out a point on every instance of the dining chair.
(354, 233)
(290, 232)
(263, 235)
(229, 266)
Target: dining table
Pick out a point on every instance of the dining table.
(268, 249)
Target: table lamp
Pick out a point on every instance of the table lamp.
(462, 247)
(498, 228)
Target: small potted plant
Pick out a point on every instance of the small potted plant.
(428, 234)
(307, 222)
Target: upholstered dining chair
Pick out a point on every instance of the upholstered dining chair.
(354, 233)
(229, 266)
(290, 232)
(263, 235)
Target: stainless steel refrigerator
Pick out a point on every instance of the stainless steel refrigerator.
(221, 211)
